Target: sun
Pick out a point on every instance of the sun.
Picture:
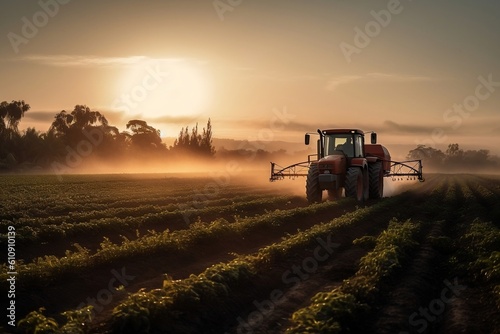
(158, 89)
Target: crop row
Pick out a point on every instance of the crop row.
(43, 230)
(208, 296)
(489, 201)
(54, 210)
(480, 256)
(82, 210)
(47, 268)
(359, 297)
(339, 310)
(45, 198)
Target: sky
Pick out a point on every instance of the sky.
(414, 71)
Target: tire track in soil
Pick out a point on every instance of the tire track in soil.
(408, 306)
(421, 278)
(473, 311)
(420, 281)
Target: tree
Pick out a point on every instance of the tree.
(195, 143)
(144, 135)
(10, 116)
(52, 149)
(455, 158)
(206, 140)
(71, 126)
(10, 139)
(454, 150)
(182, 142)
(195, 139)
(432, 156)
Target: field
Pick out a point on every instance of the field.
(175, 254)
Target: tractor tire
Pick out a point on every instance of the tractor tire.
(355, 184)
(313, 191)
(376, 180)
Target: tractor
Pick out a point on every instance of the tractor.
(344, 164)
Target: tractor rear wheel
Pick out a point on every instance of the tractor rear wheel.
(355, 184)
(313, 191)
(376, 175)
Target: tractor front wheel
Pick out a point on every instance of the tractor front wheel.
(355, 184)
(313, 191)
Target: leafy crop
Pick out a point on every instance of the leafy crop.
(337, 311)
(130, 220)
(76, 322)
(481, 251)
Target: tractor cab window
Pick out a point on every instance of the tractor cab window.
(358, 146)
(339, 142)
(351, 144)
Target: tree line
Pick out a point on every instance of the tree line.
(74, 135)
(82, 132)
(454, 158)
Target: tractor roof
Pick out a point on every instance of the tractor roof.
(333, 131)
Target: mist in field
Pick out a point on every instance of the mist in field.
(396, 187)
(227, 172)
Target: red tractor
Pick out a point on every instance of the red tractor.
(344, 163)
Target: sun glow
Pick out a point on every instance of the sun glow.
(155, 89)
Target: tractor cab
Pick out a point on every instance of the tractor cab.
(351, 144)
(333, 142)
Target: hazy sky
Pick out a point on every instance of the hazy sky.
(416, 71)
